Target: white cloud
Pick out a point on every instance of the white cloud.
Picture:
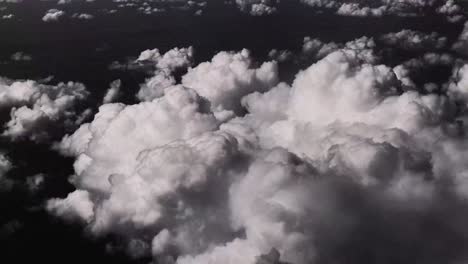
(297, 168)
(82, 16)
(415, 40)
(229, 77)
(387, 7)
(35, 107)
(257, 7)
(53, 15)
(113, 93)
(173, 60)
(8, 16)
(461, 44)
(76, 205)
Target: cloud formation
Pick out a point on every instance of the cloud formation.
(231, 166)
(377, 8)
(53, 15)
(35, 107)
(165, 65)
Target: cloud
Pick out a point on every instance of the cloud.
(258, 7)
(231, 166)
(53, 15)
(452, 10)
(414, 40)
(82, 16)
(63, 2)
(8, 16)
(35, 107)
(389, 7)
(75, 206)
(314, 49)
(5, 167)
(20, 56)
(462, 43)
(229, 77)
(113, 93)
(165, 65)
(35, 182)
(458, 88)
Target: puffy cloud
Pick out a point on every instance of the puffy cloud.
(387, 7)
(171, 60)
(458, 88)
(414, 40)
(258, 7)
(166, 64)
(53, 15)
(76, 205)
(462, 42)
(229, 77)
(35, 107)
(340, 161)
(180, 113)
(407, 69)
(82, 16)
(452, 10)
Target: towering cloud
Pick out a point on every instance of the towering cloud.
(311, 172)
(229, 77)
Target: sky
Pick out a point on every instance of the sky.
(234, 132)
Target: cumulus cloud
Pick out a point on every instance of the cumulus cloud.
(458, 88)
(53, 15)
(75, 206)
(35, 107)
(82, 16)
(165, 66)
(314, 49)
(414, 40)
(345, 164)
(452, 10)
(258, 7)
(461, 44)
(229, 77)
